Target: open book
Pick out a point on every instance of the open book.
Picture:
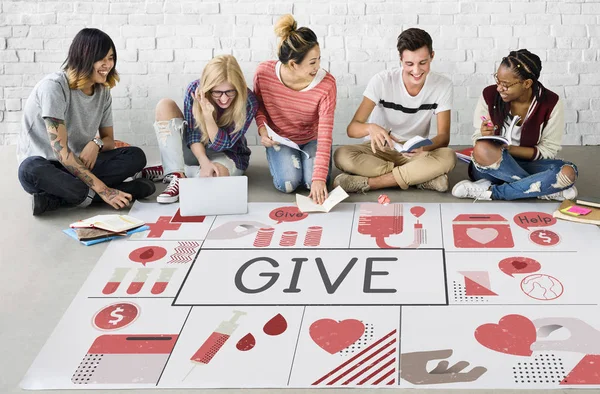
(282, 140)
(306, 204)
(114, 223)
(506, 137)
(415, 142)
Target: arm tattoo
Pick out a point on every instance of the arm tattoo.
(52, 125)
(109, 193)
(59, 146)
(80, 171)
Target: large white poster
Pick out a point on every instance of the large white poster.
(450, 296)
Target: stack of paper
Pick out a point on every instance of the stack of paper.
(592, 217)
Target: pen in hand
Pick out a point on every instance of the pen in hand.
(489, 122)
(385, 143)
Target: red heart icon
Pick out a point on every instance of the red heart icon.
(333, 336)
(519, 265)
(513, 334)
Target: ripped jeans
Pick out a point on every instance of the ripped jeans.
(515, 179)
(169, 134)
(177, 157)
(290, 168)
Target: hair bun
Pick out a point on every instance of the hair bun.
(285, 26)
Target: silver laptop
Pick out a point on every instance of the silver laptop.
(226, 195)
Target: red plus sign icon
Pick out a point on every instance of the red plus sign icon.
(162, 224)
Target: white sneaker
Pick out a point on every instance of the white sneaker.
(477, 190)
(171, 193)
(567, 194)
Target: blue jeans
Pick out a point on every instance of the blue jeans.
(290, 168)
(39, 175)
(515, 178)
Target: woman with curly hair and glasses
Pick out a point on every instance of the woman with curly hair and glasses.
(531, 118)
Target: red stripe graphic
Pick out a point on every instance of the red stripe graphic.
(376, 372)
(391, 382)
(363, 361)
(384, 377)
(357, 356)
(184, 252)
(374, 363)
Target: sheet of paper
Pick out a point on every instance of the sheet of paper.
(283, 141)
(306, 204)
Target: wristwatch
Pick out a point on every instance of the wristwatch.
(98, 142)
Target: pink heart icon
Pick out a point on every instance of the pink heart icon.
(333, 336)
(513, 334)
(482, 235)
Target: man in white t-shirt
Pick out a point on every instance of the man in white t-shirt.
(397, 105)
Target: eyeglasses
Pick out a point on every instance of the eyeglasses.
(504, 85)
(216, 94)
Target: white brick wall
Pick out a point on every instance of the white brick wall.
(164, 44)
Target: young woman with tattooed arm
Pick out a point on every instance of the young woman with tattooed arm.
(61, 160)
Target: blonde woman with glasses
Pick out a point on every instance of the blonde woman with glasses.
(218, 108)
(531, 117)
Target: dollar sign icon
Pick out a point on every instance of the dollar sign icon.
(115, 316)
(544, 237)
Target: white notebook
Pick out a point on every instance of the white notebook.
(225, 195)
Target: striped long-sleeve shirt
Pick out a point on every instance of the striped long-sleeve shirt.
(301, 116)
(234, 145)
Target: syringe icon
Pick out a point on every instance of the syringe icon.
(215, 341)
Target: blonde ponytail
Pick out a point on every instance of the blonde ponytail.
(285, 26)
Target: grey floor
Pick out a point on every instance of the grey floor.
(41, 270)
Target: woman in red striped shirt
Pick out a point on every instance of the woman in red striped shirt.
(297, 100)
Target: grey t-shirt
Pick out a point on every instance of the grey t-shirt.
(83, 116)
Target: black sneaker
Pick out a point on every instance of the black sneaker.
(43, 202)
(138, 188)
